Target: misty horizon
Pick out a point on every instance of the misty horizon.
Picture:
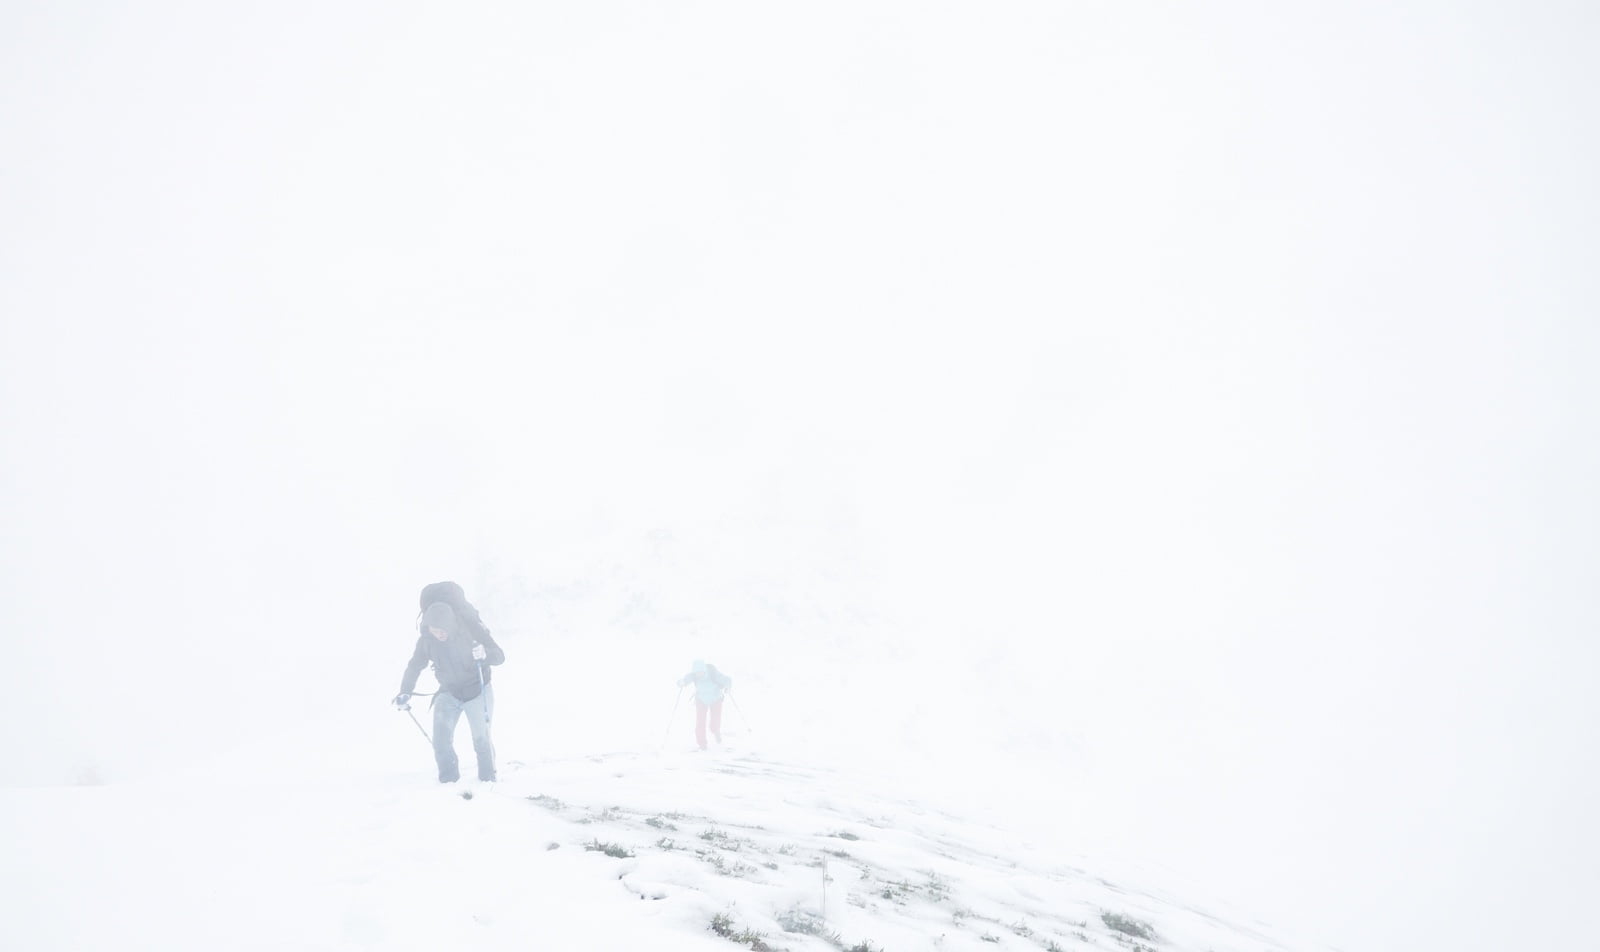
(1171, 430)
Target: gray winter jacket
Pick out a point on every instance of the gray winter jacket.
(453, 665)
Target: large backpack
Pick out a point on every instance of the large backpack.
(451, 594)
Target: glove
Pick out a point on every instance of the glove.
(479, 653)
(400, 700)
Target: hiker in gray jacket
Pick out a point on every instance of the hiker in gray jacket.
(462, 657)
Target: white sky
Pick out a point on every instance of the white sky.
(1208, 391)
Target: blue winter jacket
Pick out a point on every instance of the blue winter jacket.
(709, 683)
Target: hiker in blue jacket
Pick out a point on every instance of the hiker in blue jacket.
(710, 686)
(461, 655)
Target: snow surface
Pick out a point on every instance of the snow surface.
(382, 857)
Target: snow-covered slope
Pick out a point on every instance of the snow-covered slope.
(628, 850)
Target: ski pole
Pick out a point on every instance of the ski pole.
(671, 716)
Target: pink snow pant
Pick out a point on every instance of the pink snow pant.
(700, 708)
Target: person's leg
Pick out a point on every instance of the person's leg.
(700, 723)
(446, 712)
(716, 721)
(480, 712)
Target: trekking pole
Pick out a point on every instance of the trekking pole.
(483, 692)
(671, 716)
(741, 711)
(414, 720)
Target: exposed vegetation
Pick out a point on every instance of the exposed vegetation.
(610, 849)
(805, 923)
(722, 924)
(1127, 925)
(721, 864)
(725, 841)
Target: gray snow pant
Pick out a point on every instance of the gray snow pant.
(447, 710)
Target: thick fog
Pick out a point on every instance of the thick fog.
(1172, 429)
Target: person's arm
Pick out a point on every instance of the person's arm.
(725, 681)
(419, 660)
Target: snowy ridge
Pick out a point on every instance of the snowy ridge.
(789, 857)
(625, 850)
(802, 860)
